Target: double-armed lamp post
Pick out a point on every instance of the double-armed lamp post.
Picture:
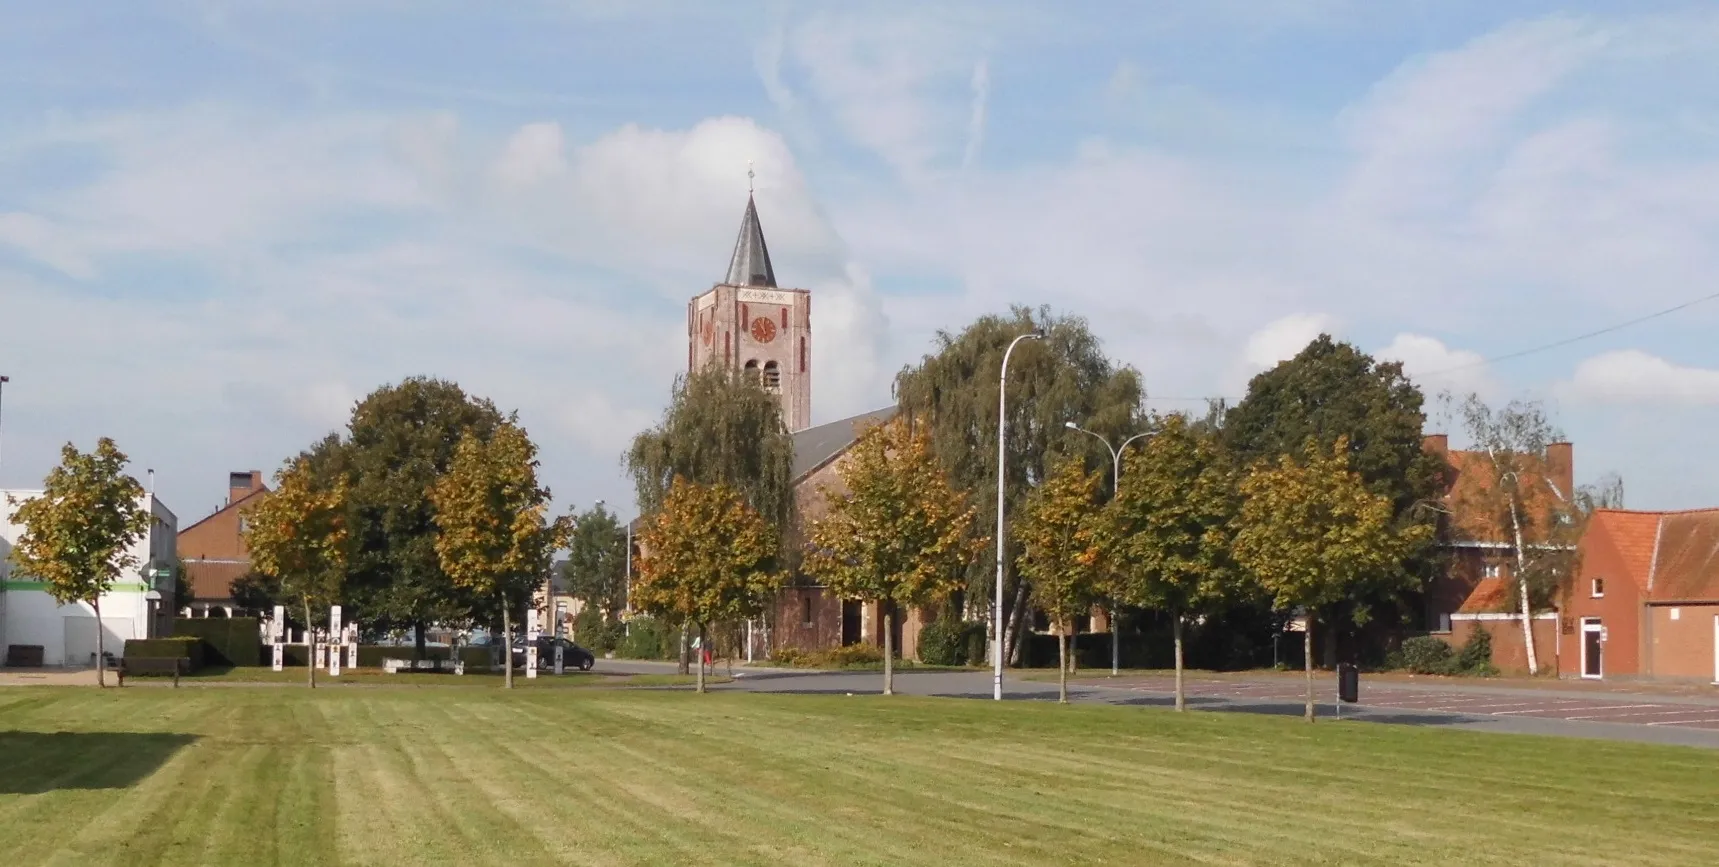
(1115, 490)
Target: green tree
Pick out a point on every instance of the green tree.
(706, 556)
(1311, 533)
(896, 532)
(79, 531)
(1058, 537)
(596, 565)
(400, 441)
(1167, 534)
(1333, 390)
(1065, 377)
(496, 540)
(297, 539)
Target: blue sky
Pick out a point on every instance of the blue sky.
(222, 222)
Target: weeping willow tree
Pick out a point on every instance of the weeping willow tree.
(1063, 378)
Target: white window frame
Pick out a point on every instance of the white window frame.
(1491, 570)
(1597, 588)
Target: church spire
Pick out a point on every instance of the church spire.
(751, 263)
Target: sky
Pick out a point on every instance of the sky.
(222, 223)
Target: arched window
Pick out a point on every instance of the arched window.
(750, 371)
(772, 376)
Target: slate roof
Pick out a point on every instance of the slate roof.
(750, 265)
(816, 446)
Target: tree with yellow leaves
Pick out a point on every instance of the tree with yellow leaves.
(496, 540)
(79, 531)
(897, 533)
(1059, 538)
(1310, 532)
(707, 557)
(297, 540)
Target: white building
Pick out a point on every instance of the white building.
(67, 633)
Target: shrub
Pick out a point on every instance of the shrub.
(184, 647)
(853, 655)
(951, 642)
(1475, 657)
(228, 640)
(596, 633)
(648, 638)
(1425, 654)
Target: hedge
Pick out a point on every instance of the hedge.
(230, 641)
(184, 647)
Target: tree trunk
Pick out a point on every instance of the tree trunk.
(1176, 631)
(888, 647)
(506, 646)
(1017, 617)
(101, 645)
(1522, 593)
(1062, 662)
(685, 667)
(1307, 663)
(701, 646)
(1073, 649)
(420, 642)
(310, 642)
(1115, 644)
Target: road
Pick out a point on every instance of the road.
(1669, 719)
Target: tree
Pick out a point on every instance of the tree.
(1311, 533)
(707, 556)
(79, 531)
(1058, 537)
(400, 441)
(596, 566)
(1167, 534)
(297, 538)
(898, 534)
(1520, 501)
(1065, 377)
(496, 540)
(1332, 390)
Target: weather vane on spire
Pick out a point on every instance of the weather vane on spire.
(749, 177)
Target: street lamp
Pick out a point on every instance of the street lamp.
(1115, 488)
(3, 381)
(1002, 432)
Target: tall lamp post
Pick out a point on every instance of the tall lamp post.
(1002, 543)
(3, 381)
(1115, 489)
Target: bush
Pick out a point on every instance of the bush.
(228, 640)
(952, 642)
(1475, 657)
(852, 656)
(596, 633)
(184, 647)
(1425, 654)
(648, 638)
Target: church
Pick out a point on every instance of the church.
(748, 323)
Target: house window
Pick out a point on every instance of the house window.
(1599, 588)
(1441, 623)
(244, 525)
(806, 611)
(751, 371)
(1491, 570)
(772, 376)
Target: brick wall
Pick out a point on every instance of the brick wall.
(1510, 651)
(1682, 649)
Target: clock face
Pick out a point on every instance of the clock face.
(763, 329)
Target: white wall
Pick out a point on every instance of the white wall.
(28, 615)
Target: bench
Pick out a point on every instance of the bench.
(153, 665)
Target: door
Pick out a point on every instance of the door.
(1593, 645)
(851, 622)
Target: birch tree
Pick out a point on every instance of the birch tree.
(1311, 533)
(1059, 550)
(496, 538)
(297, 539)
(79, 531)
(896, 532)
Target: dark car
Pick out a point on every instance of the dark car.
(572, 655)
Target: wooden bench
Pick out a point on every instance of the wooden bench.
(153, 665)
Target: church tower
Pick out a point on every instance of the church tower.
(748, 323)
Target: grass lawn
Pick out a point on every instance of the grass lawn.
(378, 677)
(462, 776)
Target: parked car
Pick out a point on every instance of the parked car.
(572, 655)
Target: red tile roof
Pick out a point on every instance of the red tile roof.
(1670, 556)
(1489, 595)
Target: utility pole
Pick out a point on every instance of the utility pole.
(3, 381)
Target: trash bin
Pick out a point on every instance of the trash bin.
(1348, 683)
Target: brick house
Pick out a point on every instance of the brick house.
(1645, 603)
(213, 549)
(1472, 588)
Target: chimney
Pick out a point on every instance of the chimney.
(1438, 444)
(242, 485)
(1561, 467)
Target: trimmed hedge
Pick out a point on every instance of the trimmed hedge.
(230, 641)
(183, 647)
(952, 642)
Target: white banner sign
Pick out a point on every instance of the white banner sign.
(767, 296)
(277, 637)
(334, 634)
(352, 645)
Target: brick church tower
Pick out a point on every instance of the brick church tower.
(748, 323)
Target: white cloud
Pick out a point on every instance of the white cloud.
(532, 155)
(1276, 341)
(1633, 377)
(46, 242)
(1436, 367)
(976, 121)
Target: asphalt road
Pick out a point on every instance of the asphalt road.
(1683, 721)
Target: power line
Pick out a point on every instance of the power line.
(1577, 339)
